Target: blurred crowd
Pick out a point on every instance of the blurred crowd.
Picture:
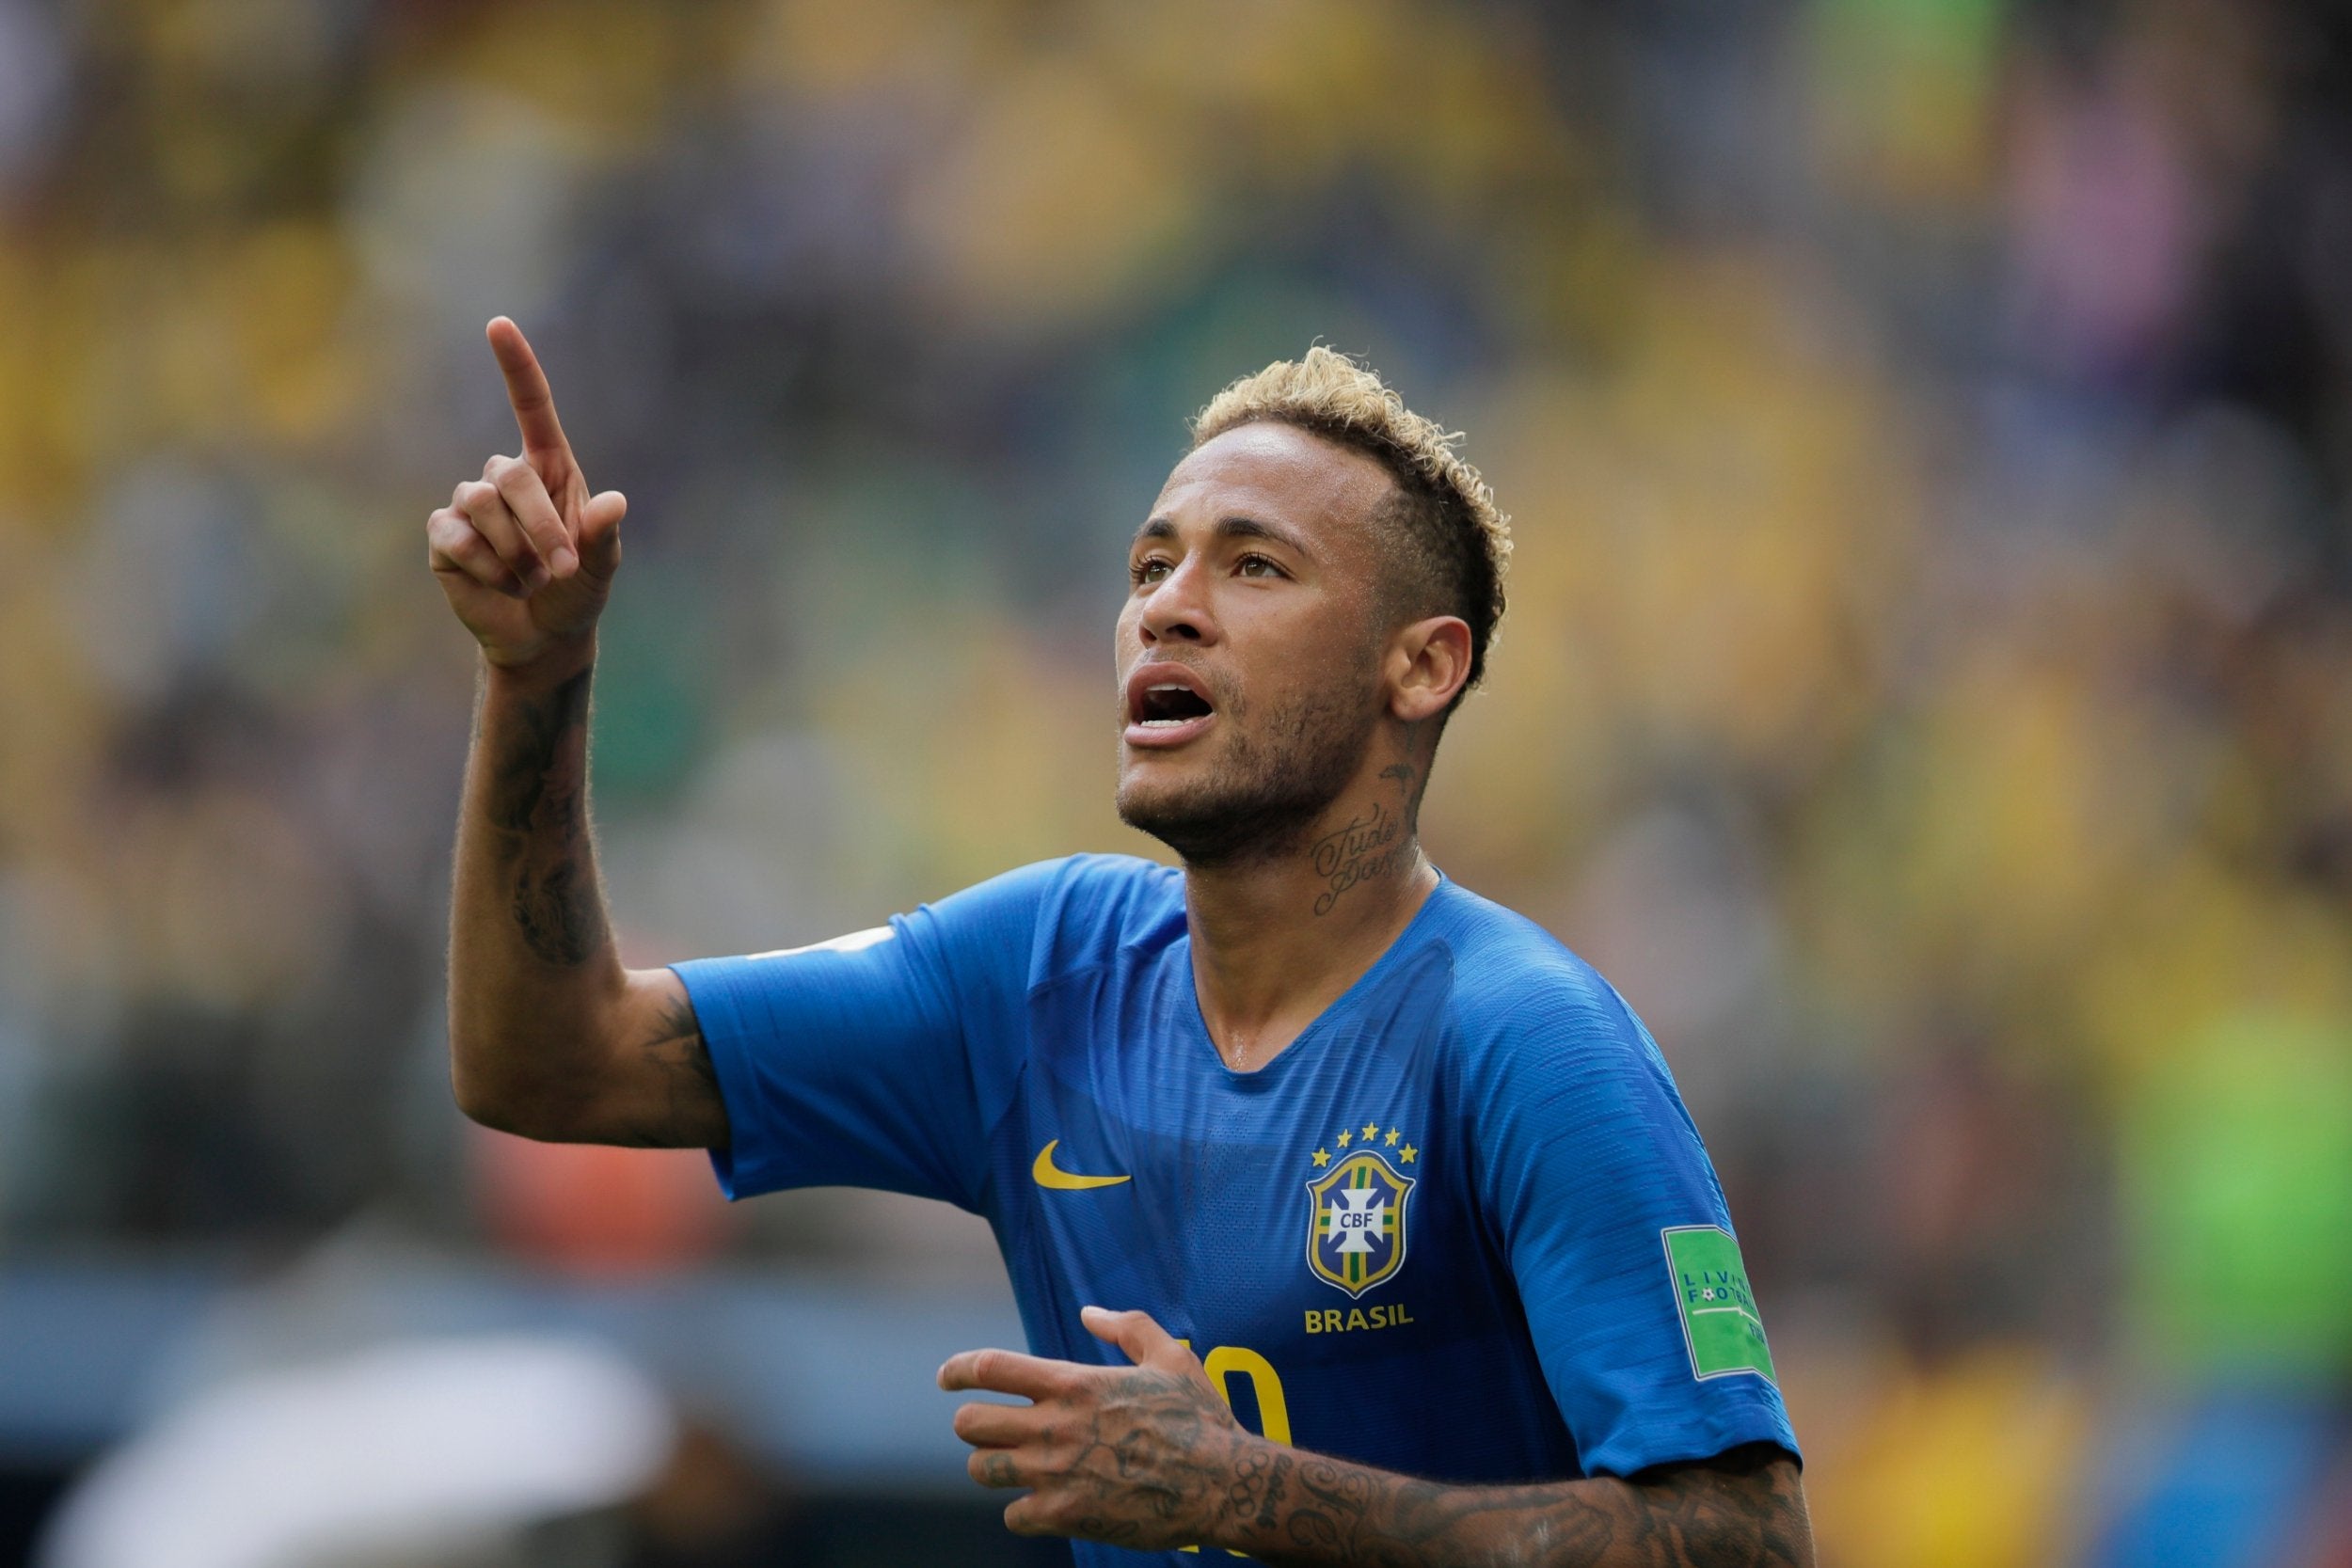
(1927, 690)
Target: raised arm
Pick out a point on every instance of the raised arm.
(549, 1037)
(1148, 1457)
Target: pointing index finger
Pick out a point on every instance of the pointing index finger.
(527, 390)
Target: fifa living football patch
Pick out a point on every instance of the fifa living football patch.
(1719, 1319)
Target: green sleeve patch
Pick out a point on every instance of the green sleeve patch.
(1719, 1318)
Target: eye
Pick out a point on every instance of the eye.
(1151, 568)
(1258, 566)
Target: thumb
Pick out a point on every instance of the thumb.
(1144, 1340)
(601, 533)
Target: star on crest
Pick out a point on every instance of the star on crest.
(1372, 1131)
(1322, 1157)
(1343, 1137)
(1392, 1138)
(1411, 1153)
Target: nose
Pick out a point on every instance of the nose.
(1177, 607)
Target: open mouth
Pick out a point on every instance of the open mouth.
(1167, 704)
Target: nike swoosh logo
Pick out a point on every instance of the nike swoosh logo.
(1050, 1175)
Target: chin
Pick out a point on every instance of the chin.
(1239, 793)
(1219, 820)
(1145, 802)
(1154, 781)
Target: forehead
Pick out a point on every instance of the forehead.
(1278, 472)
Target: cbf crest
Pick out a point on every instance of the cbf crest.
(1356, 1219)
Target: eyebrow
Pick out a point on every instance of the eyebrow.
(1229, 527)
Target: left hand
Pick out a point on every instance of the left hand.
(1138, 1456)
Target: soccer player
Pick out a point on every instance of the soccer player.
(1302, 1132)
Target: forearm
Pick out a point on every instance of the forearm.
(533, 974)
(1303, 1510)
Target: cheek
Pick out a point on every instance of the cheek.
(1324, 653)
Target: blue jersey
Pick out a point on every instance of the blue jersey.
(1461, 1227)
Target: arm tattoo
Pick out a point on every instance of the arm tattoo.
(687, 1110)
(538, 805)
(1744, 1509)
(1146, 1458)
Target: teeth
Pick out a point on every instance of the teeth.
(1154, 715)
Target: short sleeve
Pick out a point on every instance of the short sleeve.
(1618, 1238)
(877, 1059)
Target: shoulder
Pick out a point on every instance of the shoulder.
(1079, 910)
(1025, 927)
(1548, 1060)
(1523, 1002)
(1121, 894)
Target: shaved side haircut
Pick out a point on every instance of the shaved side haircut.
(1448, 545)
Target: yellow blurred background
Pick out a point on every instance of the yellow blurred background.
(1927, 687)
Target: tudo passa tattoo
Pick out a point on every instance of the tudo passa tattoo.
(1367, 846)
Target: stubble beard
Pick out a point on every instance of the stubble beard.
(1273, 784)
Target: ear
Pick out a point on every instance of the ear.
(1428, 661)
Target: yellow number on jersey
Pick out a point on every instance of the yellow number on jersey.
(1274, 1411)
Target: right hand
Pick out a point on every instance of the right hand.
(525, 553)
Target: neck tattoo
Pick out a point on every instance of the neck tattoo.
(1370, 844)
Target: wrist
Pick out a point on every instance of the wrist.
(1245, 1514)
(543, 670)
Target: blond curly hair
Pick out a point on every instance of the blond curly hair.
(1451, 544)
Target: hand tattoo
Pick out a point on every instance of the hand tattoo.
(1136, 1463)
(1138, 1456)
(1150, 1457)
